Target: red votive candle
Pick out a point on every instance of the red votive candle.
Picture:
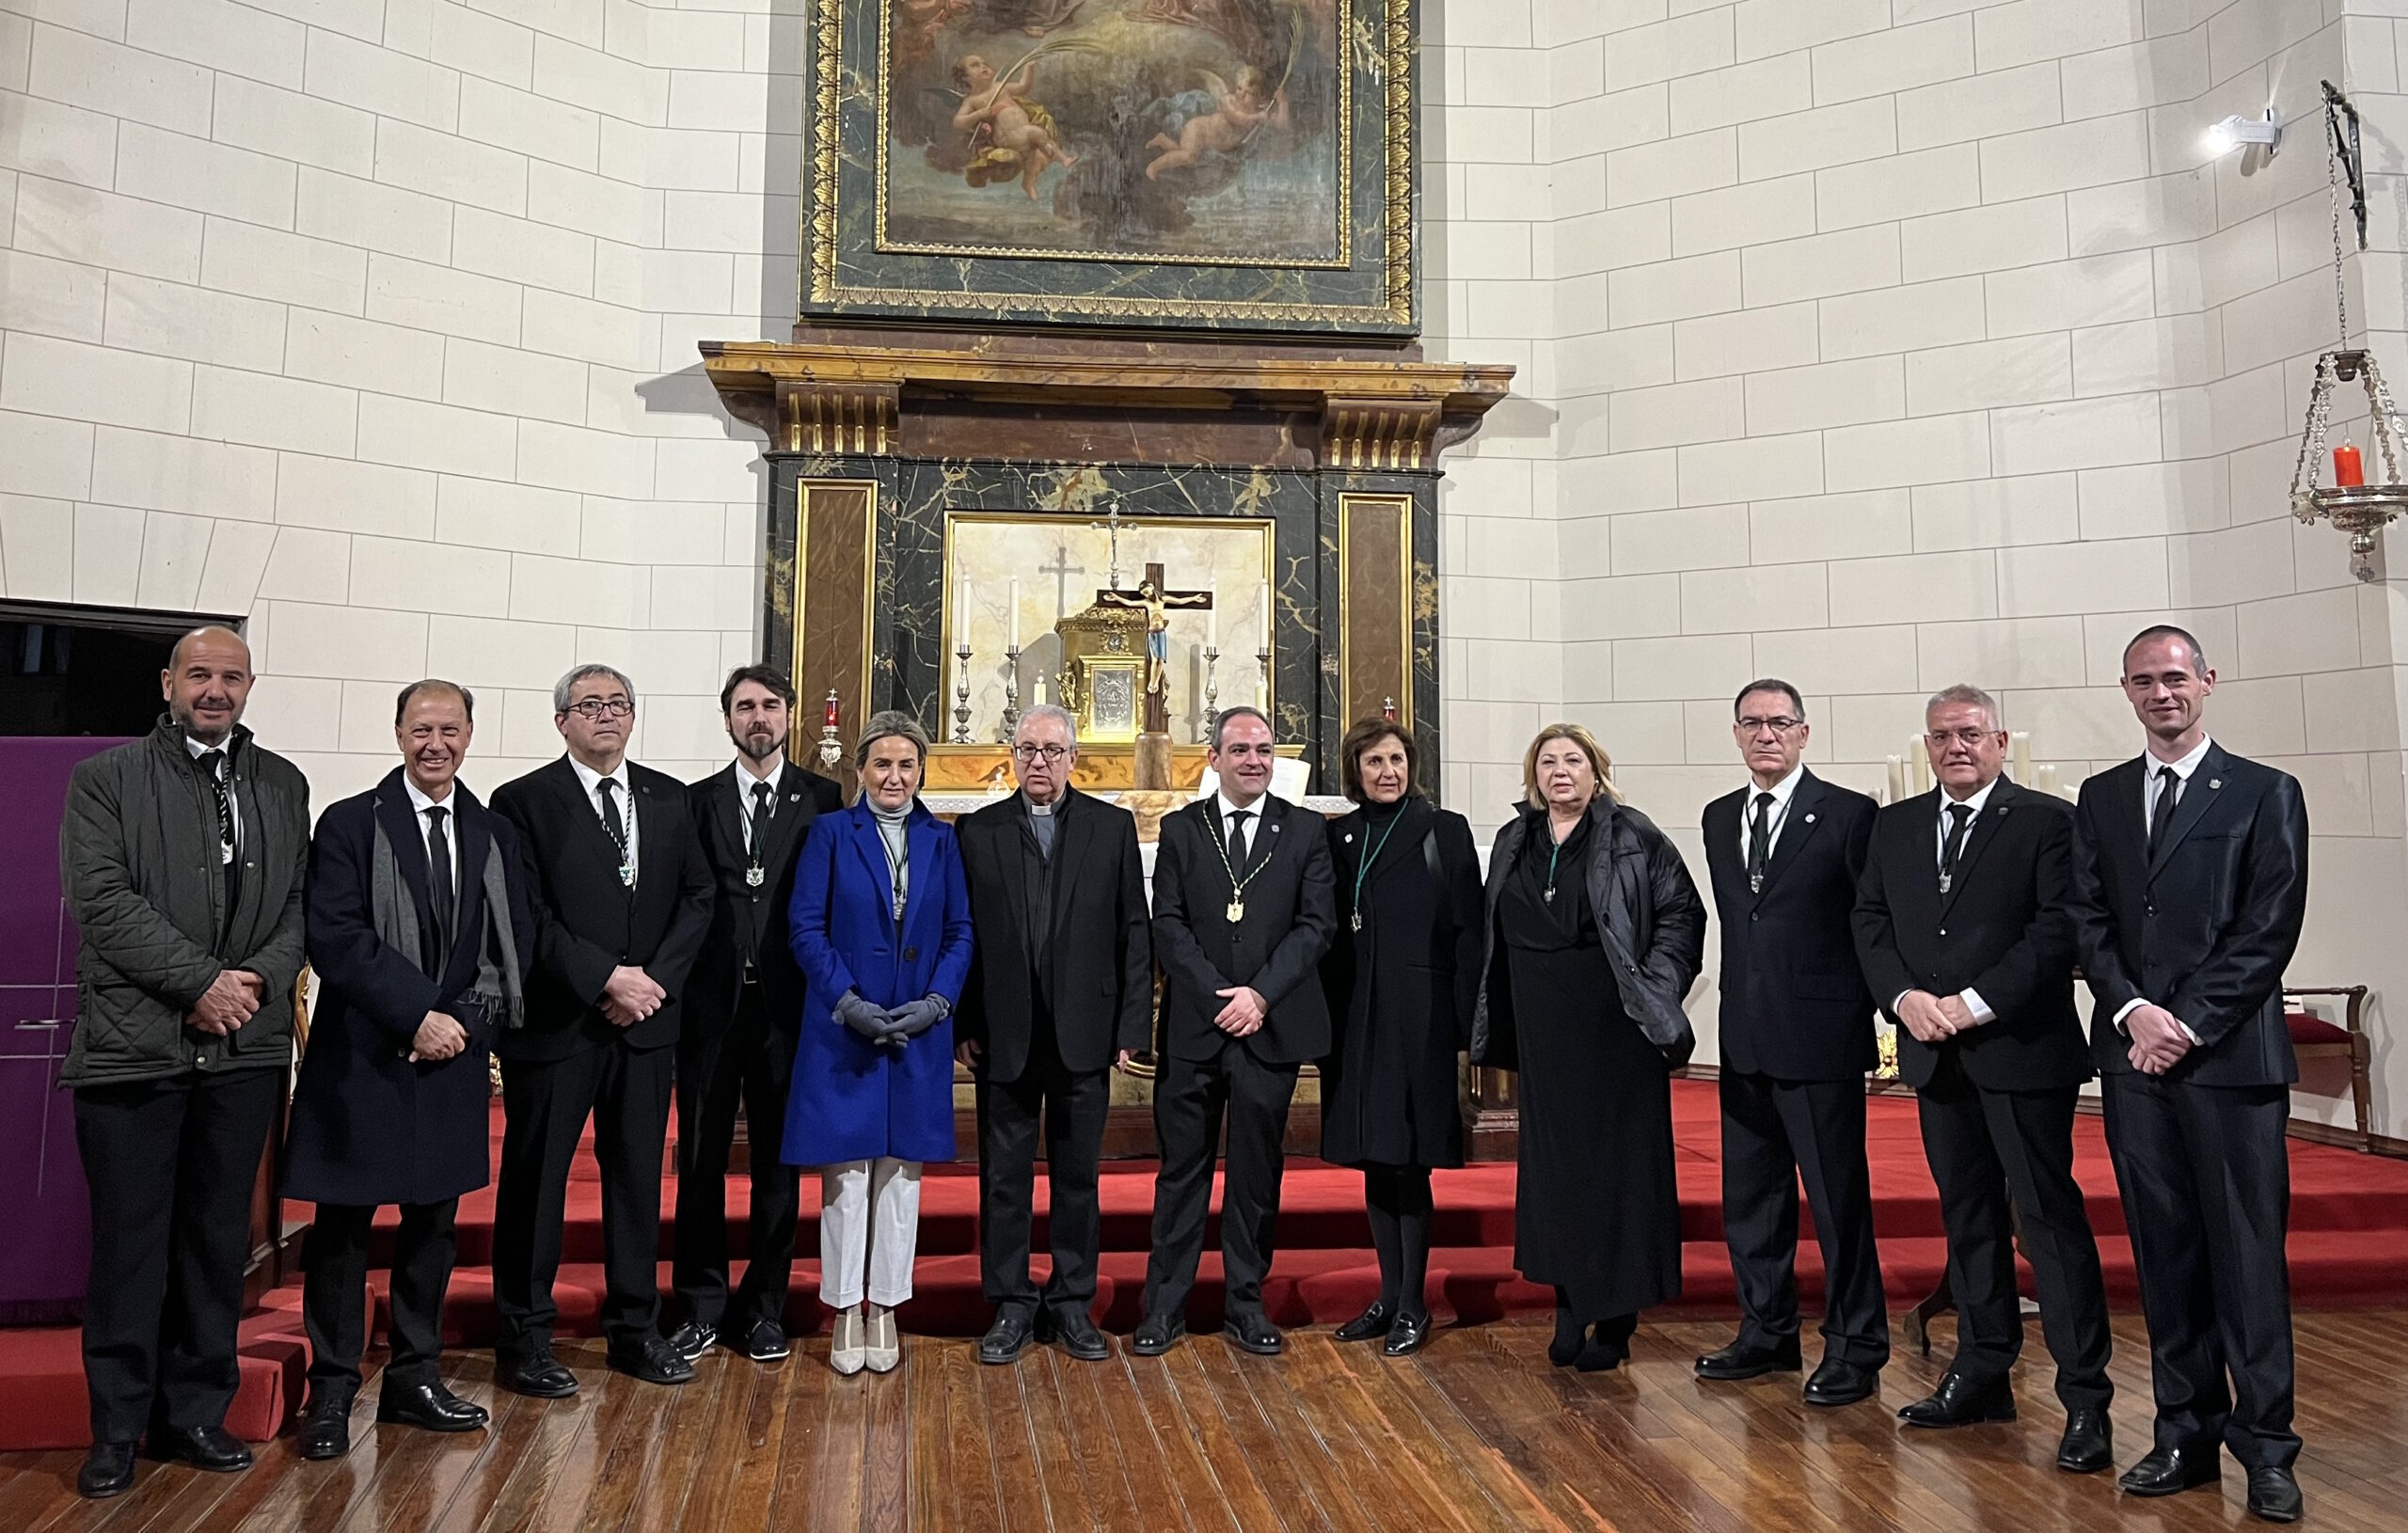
(829, 714)
(2348, 467)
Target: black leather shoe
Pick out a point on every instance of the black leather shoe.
(652, 1360)
(1406, 1336)
(108, 1470)
(765, 1342)
(1961, 1402)
(1742, 1361)
(2273, 1496)
(212, 1448)
(537, 1373)
(691, 1341)
(2165, 1471)
(1838, 1382)
(429, 1407)
(1007, 1338)
(325, 1431)
(1370, 1326)
(1157, 1335)
(1254, 1333)
(2089, 1443)
(1074, 1332)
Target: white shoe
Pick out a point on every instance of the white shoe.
(885, 1348)
(845, 1353)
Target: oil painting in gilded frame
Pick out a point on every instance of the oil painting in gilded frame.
(1216, 165)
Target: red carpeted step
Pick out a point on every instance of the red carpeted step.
(43, 1403)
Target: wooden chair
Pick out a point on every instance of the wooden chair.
(2313, 1038)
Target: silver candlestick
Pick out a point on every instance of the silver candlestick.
(1211, 693)
(961, 693)
(1262, 663)
(1011, 693)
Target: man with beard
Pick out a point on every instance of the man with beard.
(181, 855)
(420, 936)
(743, 1007)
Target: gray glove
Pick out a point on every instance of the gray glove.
(919, 1016)
(871, 1022)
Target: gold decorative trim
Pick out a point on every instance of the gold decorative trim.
(836, 418)
(1347, 505)
(1378, 433)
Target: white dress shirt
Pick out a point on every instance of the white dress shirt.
(1224, 810)
(1972, 997)
(224, 764)
(744, 783)
(2152, 786)
(420, 804)
(591, 781)
(1775, 817)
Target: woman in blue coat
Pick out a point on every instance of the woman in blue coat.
(881, 925)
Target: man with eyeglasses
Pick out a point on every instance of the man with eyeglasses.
(1061, 989)
(622, 898)
(1795, 1033)
(1964, 922)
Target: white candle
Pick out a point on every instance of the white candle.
(1011, 602)
(2048, 779)
(1897, 780)
(1040, 691)
(1919, 752)
(1212, 617)
(1266, 614)
(960, 615)
(2022, 743)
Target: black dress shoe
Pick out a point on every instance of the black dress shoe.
(1251, 1332)
(212, 1448)
(2088, 1445)
(1007, 1338)
(1406, 1336)
(429, 1407)
(537, 1373)
(1370, 1326)
(765, 1342)
(108, 1470)
(1838, 1382)
(1961, 1402)
(691, 1341)
(1157, 1335)
(2273, 1496)
(1074, 1332)
(1742, 1361)
(650, 1359)
(325, 1431)
(2165, 1471)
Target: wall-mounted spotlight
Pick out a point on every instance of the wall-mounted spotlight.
(2235, 130)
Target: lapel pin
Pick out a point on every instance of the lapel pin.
(1810, 819)
(1348, 838)
(2215, 781)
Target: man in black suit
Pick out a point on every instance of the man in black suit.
(743, 1004)
(422, 938)
(622, 898)
(1796, 1032)
(2189, 885)
(1061, 989)
(1964, 929)
(1244, 906)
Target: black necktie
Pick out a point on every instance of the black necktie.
(760, 820)
(212, 766)
(1759, 841)
(1236, 841)
(610, 820)
(2160, 819)
(439, 889)
(1963, 815)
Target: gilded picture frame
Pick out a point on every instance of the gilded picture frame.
(1242, 166)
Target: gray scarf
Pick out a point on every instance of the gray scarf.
(499, 990)
(895, 830)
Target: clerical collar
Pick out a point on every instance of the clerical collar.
(1036, 808)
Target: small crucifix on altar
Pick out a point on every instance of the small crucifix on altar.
(1156, 602)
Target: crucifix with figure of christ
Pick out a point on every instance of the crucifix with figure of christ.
(1155, 602)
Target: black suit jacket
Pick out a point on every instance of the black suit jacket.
(1794, 1003)
(1090, 951)
(2004, 929)
(587, 923)
(1291, 916)
(749, 921)
(2205, 928)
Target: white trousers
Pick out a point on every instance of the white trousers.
(869, 1228)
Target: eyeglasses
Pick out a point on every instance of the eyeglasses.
(1030, 752)
(1940, 740)
(598, 707)
(1780, 723)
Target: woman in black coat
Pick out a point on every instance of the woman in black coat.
(1594, 934)
(1401, 980)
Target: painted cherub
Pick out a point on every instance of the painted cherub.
(1241, 110)
(1007, 131)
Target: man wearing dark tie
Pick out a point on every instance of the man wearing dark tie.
(422, 936)
(1796, 1032)
(1964, 930)
(742, 1006)
(622, 898)
(2189, 886)
(1244, 906)
(1061, 989)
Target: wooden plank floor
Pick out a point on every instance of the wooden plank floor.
(1476, 1435)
